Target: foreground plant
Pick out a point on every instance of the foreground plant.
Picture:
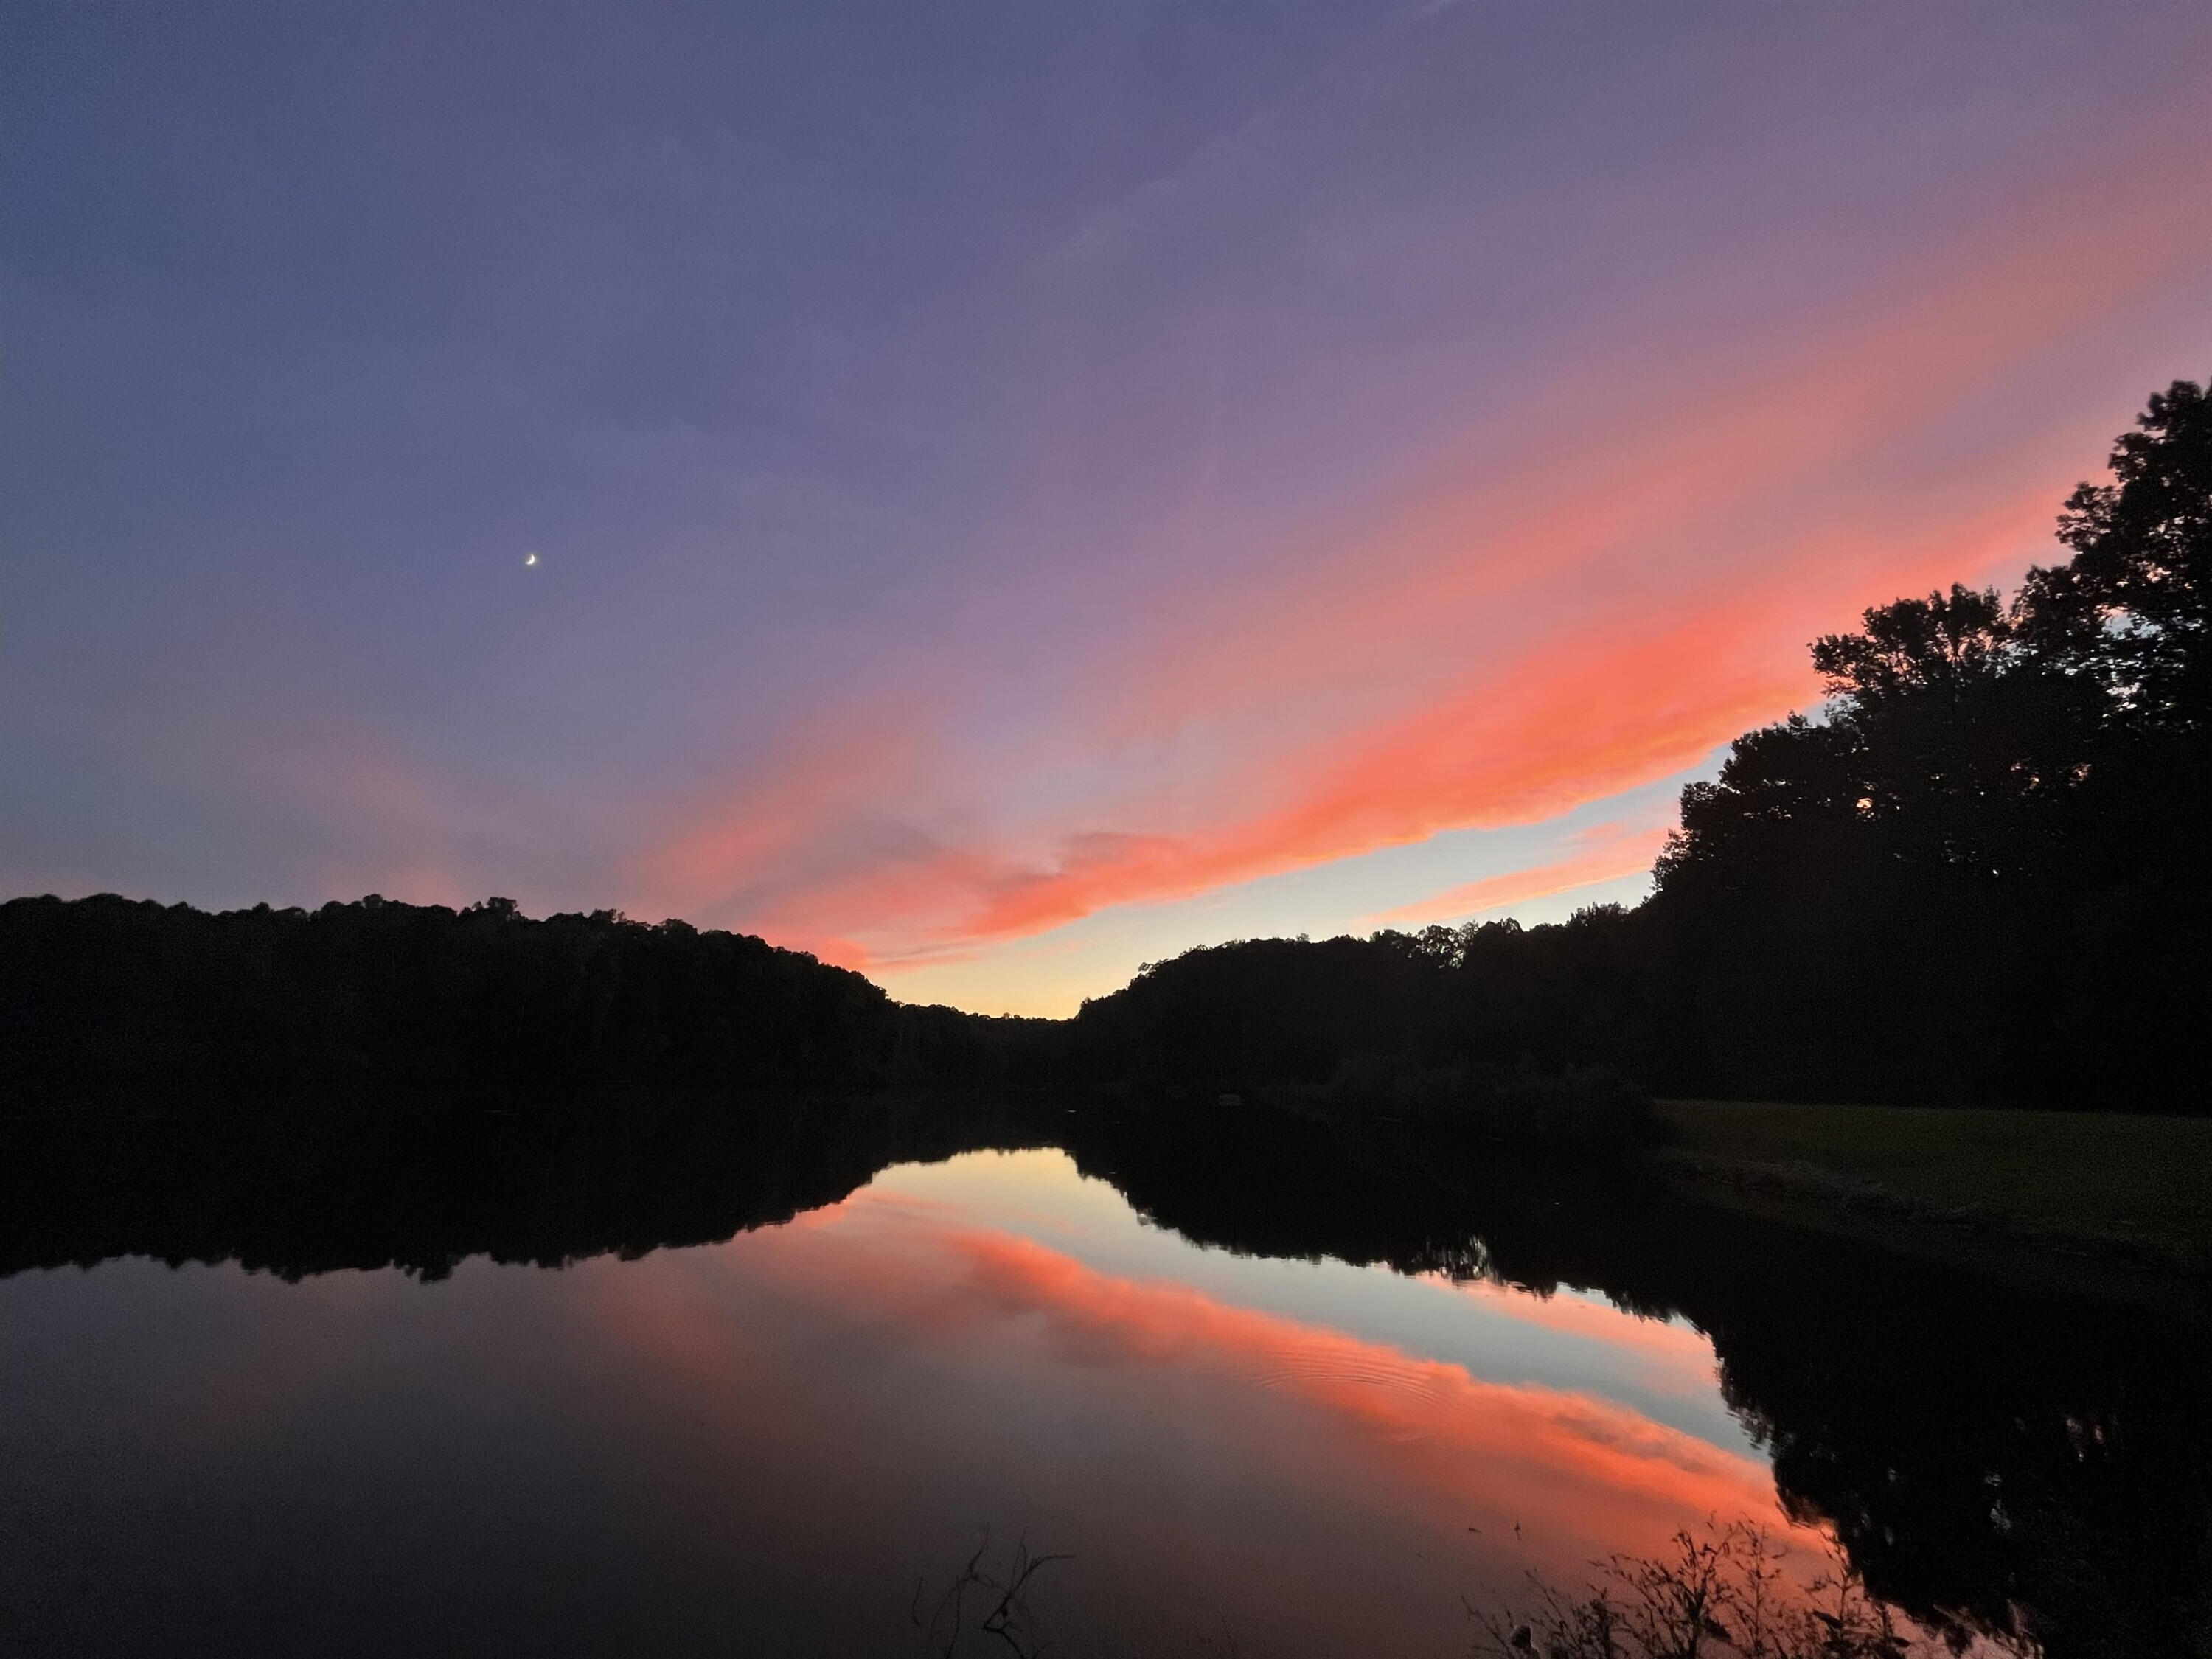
(1725, 1594)
(1000, 1597)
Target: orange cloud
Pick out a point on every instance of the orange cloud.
(1619, 704)
(1591, 605)
(757, 826)
(1615, 854)
(1616, 708)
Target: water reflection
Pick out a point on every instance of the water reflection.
(772, 1443)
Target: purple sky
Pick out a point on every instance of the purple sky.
(1018, 490)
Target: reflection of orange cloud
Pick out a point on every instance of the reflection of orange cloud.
(1589, 1471)
(1676, 1359)
(1373, 1426)
(888, 1349)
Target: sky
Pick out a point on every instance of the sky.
(996, 495)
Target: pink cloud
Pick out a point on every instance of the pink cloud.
(1608, 856)
(1588, 717)
(1587, 607)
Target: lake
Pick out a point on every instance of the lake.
(1267, 1407)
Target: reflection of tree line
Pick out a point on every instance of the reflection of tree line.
(423, 1187)
(1979, 877)
(1974, 1449)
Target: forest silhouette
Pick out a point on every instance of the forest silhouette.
(1976, 876)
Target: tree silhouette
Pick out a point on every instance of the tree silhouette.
(1977, 873)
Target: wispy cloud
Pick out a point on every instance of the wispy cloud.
(1607, 854)
(1566, 612)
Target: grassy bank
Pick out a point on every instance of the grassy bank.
(2098, 1200)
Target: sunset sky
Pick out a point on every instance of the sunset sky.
(1020, 490)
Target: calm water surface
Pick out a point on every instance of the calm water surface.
(792, 1441)
(775, 1439)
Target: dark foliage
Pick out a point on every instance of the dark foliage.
(1990, 1458)
(1978, 877)
(1265, 1011)
(116, 1009)
(1981, 877)
(1726, 1593)
(1406, 1024)
(1458, 1111)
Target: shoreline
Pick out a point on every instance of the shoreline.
(2108, 1212)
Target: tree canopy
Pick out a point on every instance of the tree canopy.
(1976, 874)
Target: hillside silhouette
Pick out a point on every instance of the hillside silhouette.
(114, 1005)
(1976, 875)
